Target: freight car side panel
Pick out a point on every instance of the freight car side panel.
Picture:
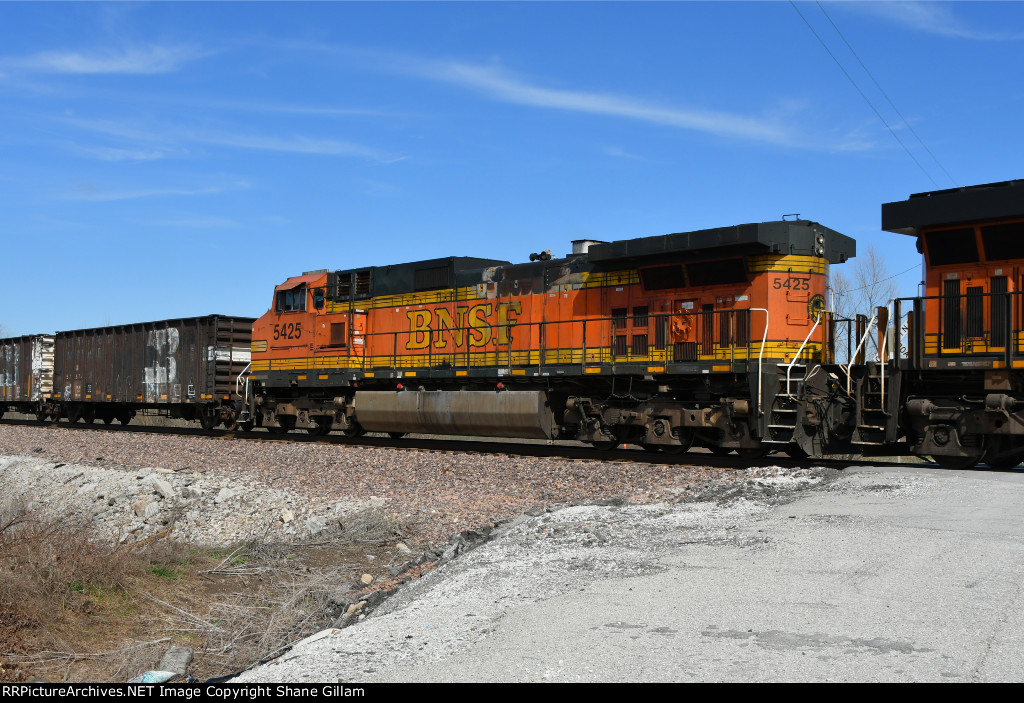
(173, 361)
(26, 368)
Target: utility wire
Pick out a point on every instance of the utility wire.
(875, 283)
(882, 91)
(865, 97)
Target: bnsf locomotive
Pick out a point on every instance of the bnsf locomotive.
(957, 385)
(697, 337)
(718, 338)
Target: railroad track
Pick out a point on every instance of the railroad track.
(564, 450)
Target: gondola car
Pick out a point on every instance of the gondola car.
(26, 376)
(182, 368)
(690, 338)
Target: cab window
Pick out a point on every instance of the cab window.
(293, 300)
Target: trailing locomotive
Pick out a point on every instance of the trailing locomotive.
(959, 380)
(668, 341)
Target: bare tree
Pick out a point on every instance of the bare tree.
(868, 285)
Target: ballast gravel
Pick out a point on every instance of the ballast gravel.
(220, 490)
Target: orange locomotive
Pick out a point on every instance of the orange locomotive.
(961, 374)
(661, 341)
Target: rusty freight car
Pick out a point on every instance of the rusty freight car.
(183, 368)
(26, 375)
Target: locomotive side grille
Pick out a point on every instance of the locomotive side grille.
(951, 319)
(639, 345)
(621, 345)
(685, 351)
(999, 287)
(432, 278)
(974, 319)
(707, 340)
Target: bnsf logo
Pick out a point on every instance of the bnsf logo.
(477, 323)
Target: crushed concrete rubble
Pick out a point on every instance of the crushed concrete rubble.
(199, 508)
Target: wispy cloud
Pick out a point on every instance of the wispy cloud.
(93, 193)
(932, 18)
(292, 144)
(116, 154)
(620, 153)
(211, 222)
(501, 85)
(132, 60)
(164, 139)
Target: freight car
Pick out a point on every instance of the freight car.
(183, 368)
(956, 386)
(703, 337)
(26, 375)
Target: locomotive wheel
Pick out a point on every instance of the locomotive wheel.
(1004, 453)
(1004, 463)
(686, 441)
(955, 463)
(285, 423)
(794, 451)
(354, 430)
(753, 453)
(323, 427)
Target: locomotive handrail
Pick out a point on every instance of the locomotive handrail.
(796, 357)
(881, 353)
(238, 381)
(863, 339)
(760, 357)
(725, 345)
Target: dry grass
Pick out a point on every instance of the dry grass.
(73, 608)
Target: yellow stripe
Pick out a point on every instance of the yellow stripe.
(798, 264)
(602, 355)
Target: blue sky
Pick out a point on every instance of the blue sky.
(178, 159)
